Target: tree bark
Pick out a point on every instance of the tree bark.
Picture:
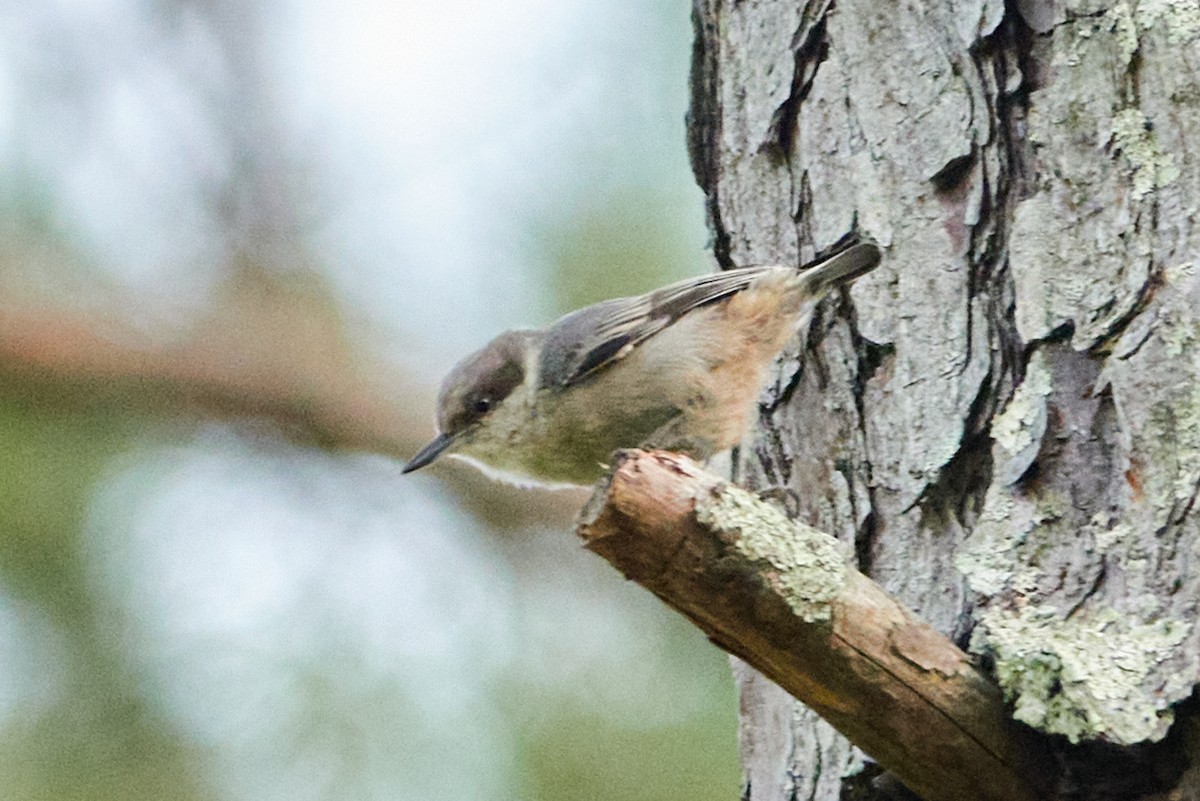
(1003, 421)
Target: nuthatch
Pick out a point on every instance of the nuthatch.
(679, 368)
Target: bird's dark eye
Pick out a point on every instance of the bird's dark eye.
(483, 405)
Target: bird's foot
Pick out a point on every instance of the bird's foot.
(786, 498)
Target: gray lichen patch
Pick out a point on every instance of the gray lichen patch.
(1124, 28)
(1181, 18)
(1104, 526)
(1100, 169)
(1163, 424)
(1085, 677)
(1151, 167)
(997, 556)
(1017, 431)
(805, 566)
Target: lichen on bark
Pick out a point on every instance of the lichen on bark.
(806, 567)
(1083, 677)
(1004, 419)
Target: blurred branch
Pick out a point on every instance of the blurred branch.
(272, 347)
(261, 352)
(782, 597)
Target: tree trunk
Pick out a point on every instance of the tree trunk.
(1004, 419)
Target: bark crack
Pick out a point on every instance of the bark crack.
(870, 358)
(810, 48)
(704, 123)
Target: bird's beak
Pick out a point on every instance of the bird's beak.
(430, 452)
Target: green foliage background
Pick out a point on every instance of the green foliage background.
(90, 708)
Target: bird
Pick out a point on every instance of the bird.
(679, 368)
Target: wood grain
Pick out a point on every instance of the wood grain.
(821, 630)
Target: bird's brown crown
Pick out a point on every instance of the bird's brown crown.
(481, 382)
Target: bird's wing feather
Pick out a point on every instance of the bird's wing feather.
(586, 341)
(590, 339)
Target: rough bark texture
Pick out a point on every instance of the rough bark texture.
(1004, 419)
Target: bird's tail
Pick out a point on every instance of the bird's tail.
(841, 268)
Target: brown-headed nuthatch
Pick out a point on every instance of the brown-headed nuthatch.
(679, 368)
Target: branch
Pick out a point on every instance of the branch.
(265, 348)
(267, 361)
(782, 597)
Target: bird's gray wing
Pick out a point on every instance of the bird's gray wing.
(592, 338)
(583, 342)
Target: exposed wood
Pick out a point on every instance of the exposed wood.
(783, 597)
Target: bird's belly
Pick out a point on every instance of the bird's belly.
(578, 448)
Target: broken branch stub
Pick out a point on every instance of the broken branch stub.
(783, 597)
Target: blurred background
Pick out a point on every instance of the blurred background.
(240, 242)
